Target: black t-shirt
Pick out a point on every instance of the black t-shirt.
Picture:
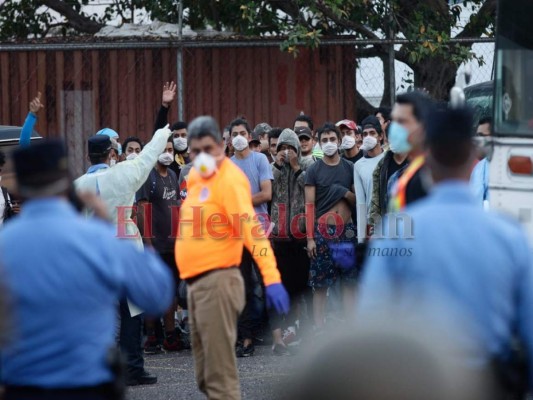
(354, 159)
(163, 193)
(394, 166)
(331, 183)
(416, 187)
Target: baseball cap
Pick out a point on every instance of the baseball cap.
(348, 123)
(303, 131)
(372, 122)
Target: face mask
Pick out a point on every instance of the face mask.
(112, 163)
(348, 142)
(205, 164)
(132, 156)
(239, 143)
(165, 158)
(119, 148)
(398, 136)
(180, 144)
(369, 142)
(330, 148)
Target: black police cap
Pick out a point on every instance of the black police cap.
(99, 144)
(41, 163)
(447, 124)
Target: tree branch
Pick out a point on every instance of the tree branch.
(479, 22)
(346, 23)
(78, 21)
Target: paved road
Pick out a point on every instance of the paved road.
(262, 376)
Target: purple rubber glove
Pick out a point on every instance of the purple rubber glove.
(277, 297)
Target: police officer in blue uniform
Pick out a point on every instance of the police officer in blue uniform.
(454, 259)
(65, 276)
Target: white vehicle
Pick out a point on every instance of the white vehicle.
(511, 147)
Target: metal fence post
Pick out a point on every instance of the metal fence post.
(180, 63)
(392, 70)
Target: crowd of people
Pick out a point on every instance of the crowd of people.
(255, 230)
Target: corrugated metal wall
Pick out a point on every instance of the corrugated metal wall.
(85, 90)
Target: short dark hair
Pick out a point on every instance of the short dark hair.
(129, 140)
(204, 126)
(304, 118)
(420, 101)
(385, 112)
(99, 158)
(485, 120)
(240, 121)
(178, 125)
(274, 133)
(328, 127)
(2, 158)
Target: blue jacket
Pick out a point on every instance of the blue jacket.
(474, 264)
(65, 276)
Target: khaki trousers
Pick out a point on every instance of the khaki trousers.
(215, 302)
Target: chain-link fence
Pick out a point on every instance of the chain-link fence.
(88, 86)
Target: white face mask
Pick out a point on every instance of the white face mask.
(239, 143)
(369, 142)
(112, 163)
(330, 148)
(132, 156)
(348, 142)
(180, 144)
(165, 158)
(205, 164)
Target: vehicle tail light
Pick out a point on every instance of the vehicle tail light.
(521, 165)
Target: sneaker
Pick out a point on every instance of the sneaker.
(280, 350)
(151, 346)
(290, 338)
(245, 351)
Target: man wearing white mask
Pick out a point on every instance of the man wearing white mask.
(208, 251)
(259, 173)
(330, 200)
(351, 140)
(160, 195)
(363, 172)
(132, 147)
(181, 150)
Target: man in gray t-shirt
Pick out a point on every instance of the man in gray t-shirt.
(331, 247)
(259, 172)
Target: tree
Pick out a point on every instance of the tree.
(426, 24)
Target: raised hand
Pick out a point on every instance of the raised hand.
(35, 104)
(169, 93)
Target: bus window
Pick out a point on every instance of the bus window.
(514, 70)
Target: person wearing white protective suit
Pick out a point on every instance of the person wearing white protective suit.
(363, 171)
(117, 187)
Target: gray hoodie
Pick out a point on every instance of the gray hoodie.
(288, 192)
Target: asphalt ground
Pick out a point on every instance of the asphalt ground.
(263, 376)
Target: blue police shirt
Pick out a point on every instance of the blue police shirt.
(64, 277)
(479, 263)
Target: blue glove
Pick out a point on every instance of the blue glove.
(277, 297)
(343, 253)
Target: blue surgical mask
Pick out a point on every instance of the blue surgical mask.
(398, 136)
